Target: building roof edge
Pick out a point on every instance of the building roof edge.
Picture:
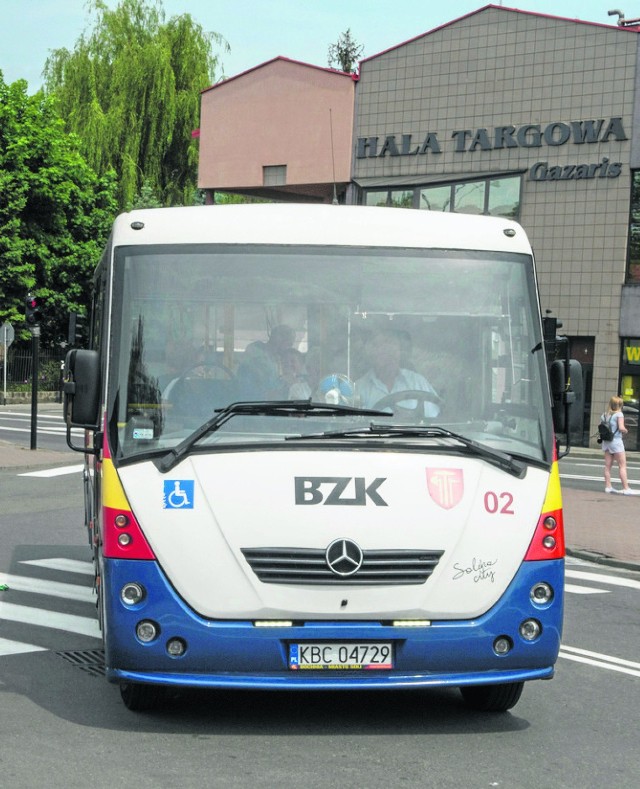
(629, 28)
(276, 59)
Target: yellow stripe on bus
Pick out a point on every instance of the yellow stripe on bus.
(112, 493)
(553, 499)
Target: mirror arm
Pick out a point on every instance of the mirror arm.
(94, 450)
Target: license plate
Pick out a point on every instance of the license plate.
(341, 657)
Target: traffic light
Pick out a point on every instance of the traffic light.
(78, 329)
(32, 310)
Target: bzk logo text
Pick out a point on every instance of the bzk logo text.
(345, 491)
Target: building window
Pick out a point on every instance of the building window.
(633, 266)
(492, 196)
(395, 198)
(435, 198)
(504, 197)
(274, 175)
(469, 197)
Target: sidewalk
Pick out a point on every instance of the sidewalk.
(601, 527)
(21, 458)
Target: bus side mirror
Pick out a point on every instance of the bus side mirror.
(567, 395)
(81, 391)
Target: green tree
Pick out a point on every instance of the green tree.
(146, 198)
(131, 90)
(55, 212)
(345, 53)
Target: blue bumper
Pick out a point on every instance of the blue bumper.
(236, 654)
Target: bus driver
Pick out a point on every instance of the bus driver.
(387, 376)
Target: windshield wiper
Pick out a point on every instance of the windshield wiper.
(295, 408)
(501, 459)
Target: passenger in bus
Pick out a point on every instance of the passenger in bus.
(387, 377)
(260, 374)
(294, 373)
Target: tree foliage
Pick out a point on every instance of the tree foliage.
(131, 90)
(55, 212)
(345, 53)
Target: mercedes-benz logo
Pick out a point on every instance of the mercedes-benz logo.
(344, 557)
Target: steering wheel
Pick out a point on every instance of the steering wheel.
(198, 396)
(228, 375)
(415, 414)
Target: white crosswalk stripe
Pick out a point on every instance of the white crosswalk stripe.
(603, 578)
(574, 589)
(8, 647)
(58, 471)
(47, 424)
(65, 565)
(82, 625)
(24, 610)
(23, 583)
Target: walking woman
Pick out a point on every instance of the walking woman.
(614, 449)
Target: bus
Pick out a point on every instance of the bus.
(320, 453)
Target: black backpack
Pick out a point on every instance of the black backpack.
(604, 431)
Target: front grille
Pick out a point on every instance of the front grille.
(309, 566)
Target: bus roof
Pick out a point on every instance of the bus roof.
(318, 225)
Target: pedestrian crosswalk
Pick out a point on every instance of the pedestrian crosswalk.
(583, 573)
(47, 423)
(48, 603)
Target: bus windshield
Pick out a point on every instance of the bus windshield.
(442, 338)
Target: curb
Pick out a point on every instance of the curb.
(600, 558)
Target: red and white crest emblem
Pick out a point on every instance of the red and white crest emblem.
(446, 486)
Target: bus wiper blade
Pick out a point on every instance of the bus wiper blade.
(501, 459)
(258, 408)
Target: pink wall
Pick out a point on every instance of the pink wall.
(275, 114)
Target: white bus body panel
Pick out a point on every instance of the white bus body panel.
(307, 225)
(246, 499)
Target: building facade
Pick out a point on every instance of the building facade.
(517, 114)
(279, 131)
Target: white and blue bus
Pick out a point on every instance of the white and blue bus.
(320, 453)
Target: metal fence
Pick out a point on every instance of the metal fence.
(20, 371)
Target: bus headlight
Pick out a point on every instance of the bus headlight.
(147, 631)
(176, 647)
(131, 593)
(502, 645)
(541, 593)
(530, 629)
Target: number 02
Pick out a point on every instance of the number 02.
(498, 502)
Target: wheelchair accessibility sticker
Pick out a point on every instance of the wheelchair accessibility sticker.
(178, 494)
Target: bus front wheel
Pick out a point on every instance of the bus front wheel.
(140, 698)
(492, 698)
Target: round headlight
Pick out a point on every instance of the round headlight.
(502, 645)
(530, 629)
(176, 647)
(147, 631)
(131, 593)
(541, 593)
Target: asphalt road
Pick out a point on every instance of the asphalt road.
(63, 725)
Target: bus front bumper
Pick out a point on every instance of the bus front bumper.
(238, 654)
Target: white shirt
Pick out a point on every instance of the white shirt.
(371, 390)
